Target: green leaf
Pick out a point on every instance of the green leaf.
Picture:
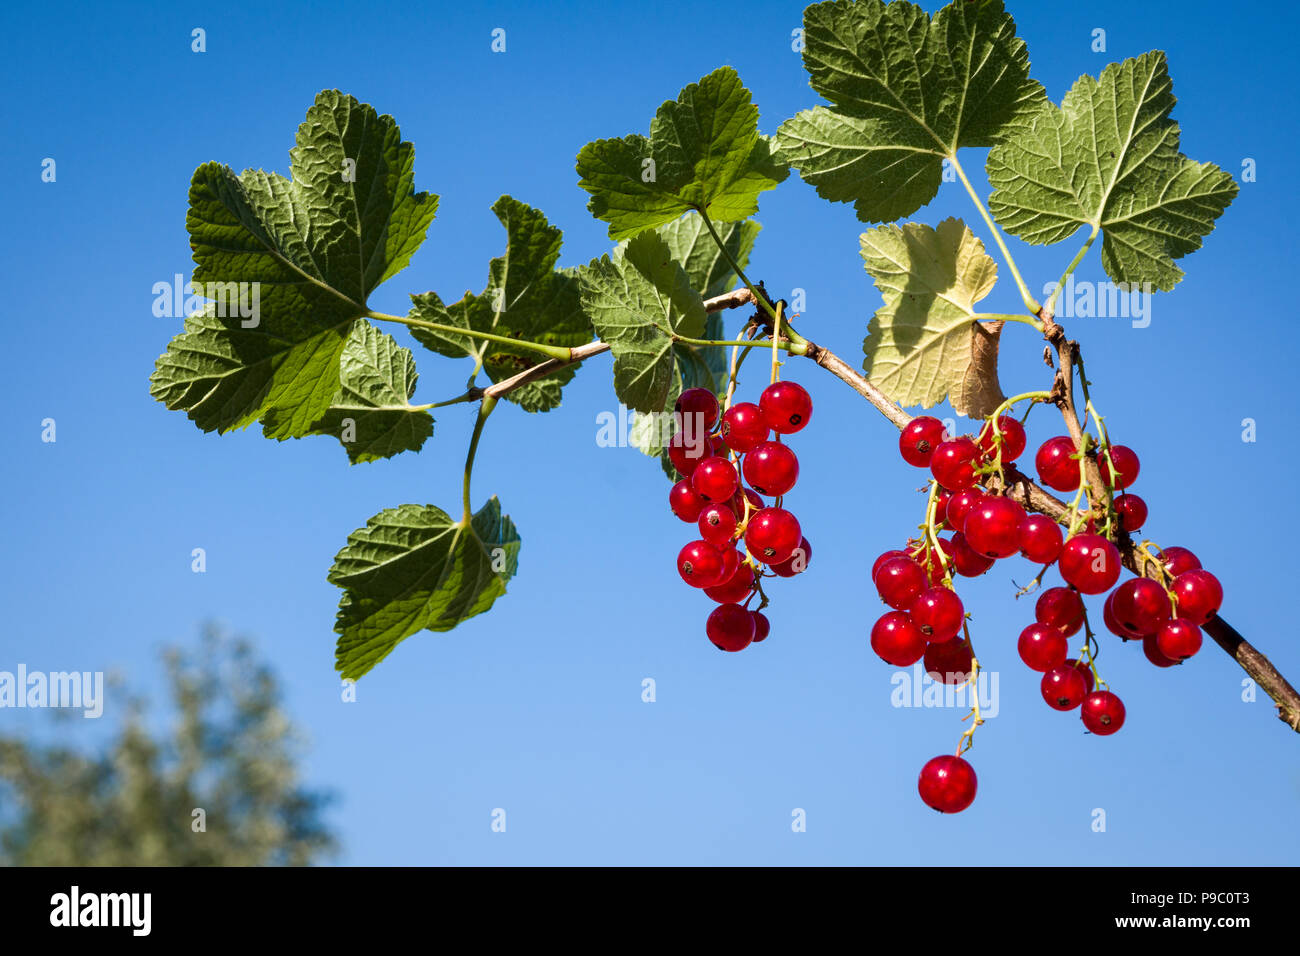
(638, 299)
(920, 343)
(1109, 158)
(371, 413)
(526, 297)
(704, 152)
(313, 247)
(412, 568)
(906, 92)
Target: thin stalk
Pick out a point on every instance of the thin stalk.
(1030, 302)
(1050, 307)
(484, 410)
(550, 351)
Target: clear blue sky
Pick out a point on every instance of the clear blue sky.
(536, 707)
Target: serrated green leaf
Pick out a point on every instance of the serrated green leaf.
(1109, 158)
(412, 568)
(704, 152)
(315, 245)
(526, 297)
(919, 343)
(638, 299)
(371, 414)
(907, 91)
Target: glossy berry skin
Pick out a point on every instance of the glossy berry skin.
(772, 535)
(771, 469)
(1039, 538)
(684, 502)
(762, 626)
(1013, 439)
(920, 437)
(1113, 624)
(960, 505)
(938, 612)
(686, 455)
(1131, 511)
(743, 427)
(730, 627)
(1102, 713)
(1064, 687)
(717, 524)
(1060, 608)
(992, 527)
(714, 479)
(1140, 605)
(700, 564)
(1200, 595)
(947, 784)
(1180, 560)
(698, 402)
(1043, 647)
(1055, 466)
(953, 464)
(1178, 639)
(899, 582)
(1082, 669)
(1152, 650)
(786, 407)
(797, 563)
(896, 640)
(735, 587)
(888, 555)
(966, 561)
(738, 502)
(929, 560)
(949, 662)
(1090, 563)
(1119, 466)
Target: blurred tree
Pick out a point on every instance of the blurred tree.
(231, 754)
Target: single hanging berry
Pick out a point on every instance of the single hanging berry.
(762, 627)
(1056, 465)
(684, 502)
(920, 437)
(953, 464)
(887, 556)
(938, 612)
(687, 452)
(1119, 466)
(1131, 511)
(1060, 608)
(897, 640)
(698, 408)
(797, 563)
(899, 582)
(992, 527)
(735, 587)
(1199, 594)
(1152, 650)
(1178, 639)
(786, 407)
(743, 427)
(1013, 440)
(772, 535)
(1064, 687)
(1039, 538)
(1042, 647)
(1113, 623)
(1179, 560)
(717, 524)
(947, 784)
(949, 662)
(1103, 713)
(968, 562)
(730, 627)
(700, 564)
(1090, 563)
(771, 469)
(960, 505)
(1140, 605)
(715, 479)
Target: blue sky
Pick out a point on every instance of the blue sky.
(536, 707)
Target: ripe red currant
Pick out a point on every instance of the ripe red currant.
(941, 499)
(949, 662)
(928, 558)
(953, 464)
(1113, 624)
(1140, 605)
(885, 557)
(1056, 466)
(1013, 439)
(730, 627)
(717, 524)
(687, 452)
(686, 504)
(1043, 647)
(772, 535)
(1200, 595)
(920, 437)
(938, 612)
(991, 527)
(1152, 650)
(1178, 560)
(1064, 687)
(786, 407)
(700, 403)
(1083, 669)
(700, 564)
(762, 627)
(1103, 713)
(1131, 511)
(771, 468)
(738, 502)
(966, 561)
(960, 505)
(797, 563)
(947, 784)
(1060, 608)
(900, 581)
(735, 587)
(1178, 640)
(1090, 563)
(715, 479)
(1040, 538)
(1119, 466)
(897, 640)
(743, 427)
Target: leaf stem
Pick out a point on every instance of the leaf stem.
(1030, 302)
(1050, 307)
(484, 410)
(1007, 317)
(760, 300)
(550, 351)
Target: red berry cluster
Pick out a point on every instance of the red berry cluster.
(712, 450)
(927, 616)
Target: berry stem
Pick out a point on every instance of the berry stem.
(967, 739)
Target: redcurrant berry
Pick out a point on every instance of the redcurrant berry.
(1039, 538)
(885, 557)
(771, 468)
(699, 407)
(1090, 563)
(941, 499)
(920, 437)
(686, 504)
(1131, 511)
(1103, 713)
(730, 627)
(797, 563)
(1200, 595)
(947, 784)
(738, 502)
(953, 464)
(1139, 604)
(786, 407)
(1113, 623)
(1119, 466)
(717, 524)
(1179, 560)
(1060, 608)
(900, 581)
(897, 640)
(715, 479)
(1013, 439)
(743, 427)
(1056, 466)
(966, 561)
(938, 612)
(949, 662)
(700, 564)
(928, 558)
(736, 586)
(1043, 647)
(1064, 688)
(1082, 669)
(1178, 639)
(991, 527)
(1152, 650)
(772, 535)
(960, 505)
(687, 452)
(762, 626)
